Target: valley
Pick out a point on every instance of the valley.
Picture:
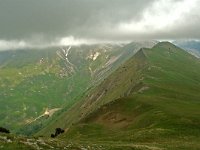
(35, 80)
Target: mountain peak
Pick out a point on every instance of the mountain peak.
(165, 44)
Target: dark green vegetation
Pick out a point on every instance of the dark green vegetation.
(32, 81)
(152, 101)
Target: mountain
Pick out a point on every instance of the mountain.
(192, 46)
(36, 85)
(151, 101)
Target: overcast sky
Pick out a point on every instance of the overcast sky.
(43, 23)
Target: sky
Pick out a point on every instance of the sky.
(46, 23)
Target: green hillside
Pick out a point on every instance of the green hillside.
(35, 81)
(149, 102)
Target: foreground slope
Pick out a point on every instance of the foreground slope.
(152, 100)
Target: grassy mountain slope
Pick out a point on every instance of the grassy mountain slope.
(110, 89)
(35, 81)
(150, 102)
(24, 79)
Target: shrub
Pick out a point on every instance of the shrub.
(4, 130)
(57, 132)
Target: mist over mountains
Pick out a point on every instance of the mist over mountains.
(33, 24)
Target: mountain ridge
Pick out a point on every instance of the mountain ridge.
(141, 57)
(149, 102)
(36, 80)
(150, 98)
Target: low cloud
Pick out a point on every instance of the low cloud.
(39, 24)
(10, 45)
(60, 42)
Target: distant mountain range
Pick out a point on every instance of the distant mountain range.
(191, 46)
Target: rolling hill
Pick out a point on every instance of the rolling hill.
(150, 102)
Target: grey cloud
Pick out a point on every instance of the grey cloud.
(26, 18)
(50, 20)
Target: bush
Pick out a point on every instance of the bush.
(4, 130)
(57, 132)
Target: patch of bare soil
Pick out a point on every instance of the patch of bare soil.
(114, 120)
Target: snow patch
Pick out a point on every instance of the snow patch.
(94, 56)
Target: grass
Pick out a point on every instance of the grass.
(33, 80)
(151, 102)
(164, 115)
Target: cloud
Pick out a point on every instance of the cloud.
(6, 45)
(65, 41)
(30, 23)
(60, 42)
(164, 18)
